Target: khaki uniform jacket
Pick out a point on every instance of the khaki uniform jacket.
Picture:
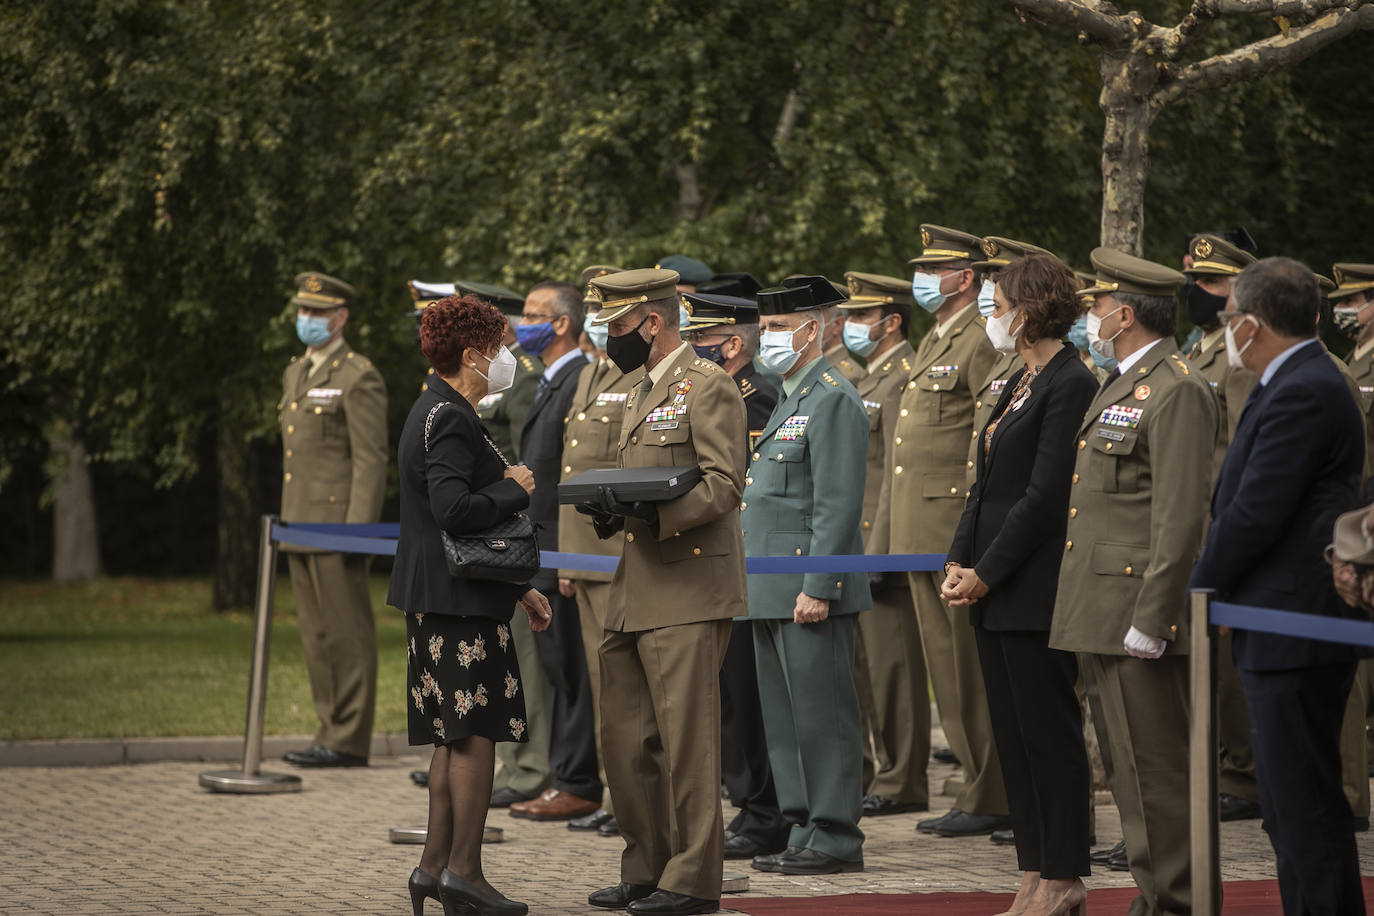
(503, 413)
(881, 392)
(1232, 388)
(1137, 507)
(693, 570)
(984, 403)
(333, 425)
(591, 440)
(934, 426)
(1362, 371)
(840, 359)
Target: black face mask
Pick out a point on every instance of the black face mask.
(629, 351)
(1203, 306)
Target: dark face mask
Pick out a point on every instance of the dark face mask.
(711, 352)
(1203, 306)
(629, 351)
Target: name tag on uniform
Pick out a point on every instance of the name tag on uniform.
(324, 392)
(997, 386)
(669, 425)
(1119, 415)
(611, 397)
(792, 429)
(942, 371)
(1112, 434)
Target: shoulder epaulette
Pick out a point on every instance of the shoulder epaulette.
(528, 363)
(706, 366)
(828, 378)
(746, 388)
(906, 364)
(1179, 365)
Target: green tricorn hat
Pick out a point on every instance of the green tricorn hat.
(692, 271)
(1118, 272)
(1000, 252)
(321, 291)
(940, 245)
(618, 293)
(1213, 256)
(869, 290)
(1351, 279)
(709, 310)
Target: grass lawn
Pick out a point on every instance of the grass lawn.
(133, 657)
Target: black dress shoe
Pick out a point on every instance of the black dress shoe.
(1118, 861)
(420, 778)
(945, 755)
(505, 796)
(1103, 856)
(609, 827)
(965, 824)
(770, 861)
(590, 821)
(620, 896)
(1235, 808)
(877, 806)
(743, 847)
(422, 885)
(667, 903)
(458, 896)
(323, 757)
(1003, 837)
(929, 824)
(811, 862)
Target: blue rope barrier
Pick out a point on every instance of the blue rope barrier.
(341, 539)
(1291, 623)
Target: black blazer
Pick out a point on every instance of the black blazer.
(1012, 529)
(541, 446)
(458, 484)
(1293, 465)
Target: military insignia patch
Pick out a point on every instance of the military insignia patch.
(1120, 415)
(942, 371)
(997, 386)
(313, 284)
(872, 405)
(666, 412)
(324, 392)
(1202, 248)
(1142, 392)
(681, 389)
(792, 429)
(989, 248)
(611, 397)
(925, 237)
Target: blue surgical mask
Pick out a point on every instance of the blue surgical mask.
(684, 321)
(711, 352)
(1078, 333)
(534, 338)
(926, 289)
(313, 330)
(776, 350)
(858, 338)
(986, 305)
(1103, 362)
(597, 334)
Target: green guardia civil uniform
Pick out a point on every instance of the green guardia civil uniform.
(804, 497)
(928, 481)
(890, 667)
(333, 424)
(1138, 507)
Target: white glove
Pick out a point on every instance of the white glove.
(1141, 646)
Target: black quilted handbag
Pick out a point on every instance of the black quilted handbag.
(506, 552)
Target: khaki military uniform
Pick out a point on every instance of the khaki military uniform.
(1138, 506)
(333, 424)
(503, 413)
(841, 360)
(984, 403)
(927, 469)
(893, 665)
(1355, 748)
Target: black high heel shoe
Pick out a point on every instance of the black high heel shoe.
(422, 885)
(460, 897)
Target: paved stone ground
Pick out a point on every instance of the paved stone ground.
(144, 838)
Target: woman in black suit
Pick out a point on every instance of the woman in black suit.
(465, 689)
(1004, 566)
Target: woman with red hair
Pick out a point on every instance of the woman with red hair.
(465, 688)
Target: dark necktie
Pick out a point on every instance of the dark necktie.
(1111, 377)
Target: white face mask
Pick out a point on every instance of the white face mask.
(1233, 354)
(1103, 348)
(1000, 333)
(776, 350)
(500, 373)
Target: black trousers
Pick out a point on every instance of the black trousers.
(743, 748)
(1037, 725)
(1295, 730)
(572, 713)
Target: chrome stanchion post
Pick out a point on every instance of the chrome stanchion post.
(250, 780)
(1202, 762)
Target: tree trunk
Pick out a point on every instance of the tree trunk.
(689, 191)
(1126, 84)
(236, 558)
(76, 539)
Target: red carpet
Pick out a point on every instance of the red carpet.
(1240, 898)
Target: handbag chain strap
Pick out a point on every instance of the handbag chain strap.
(429, 422)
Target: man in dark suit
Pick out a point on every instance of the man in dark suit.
(549, 328)
(1294, 463)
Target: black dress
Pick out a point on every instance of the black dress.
(464, 680)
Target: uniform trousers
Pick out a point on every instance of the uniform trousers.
(955, 677)
(811, 716)
(591, 615)
(660, 728)
(571, 717)
(1354, 747)
(893, 673)
(1038, 725)
(744, 749)
(339, 636)
(1145, 705)
(1295, 721)
(525, 765)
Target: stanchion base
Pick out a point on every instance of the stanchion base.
(237, 782)
(734, 884)
(416, 835)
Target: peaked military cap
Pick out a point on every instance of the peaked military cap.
(1118, 272)
(940, 245)
(802, 293)
(1351, 279)
(1000, 252)
(1324, 284)
(740, 284)
(590, 274)
(709, 310)
(1214, 256)
(620, 292)
(422, 294)
(507, 300)
(869, 290)
(692, 271)
(321, 291)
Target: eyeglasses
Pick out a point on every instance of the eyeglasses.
(528, 319)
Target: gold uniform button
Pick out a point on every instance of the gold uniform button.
(1128, 570)
(743, 506)
(1075, 477)
(567, 469)
(779, 456)
(897, 469)
(977, 403)
(935, 387)
(1082, 444)
(1068, 545)
(319, 410)
(290, 430)
(973, 435)
(756, 456)
(696, 551)
(634, 440)
(903, 411)
(911, 384)
(336, 364)
(289, 453)
(1073, 513)
(630, 536)
(605, 419)
(953, 491)
(1173, 629)
(798, 551)
(897, 441)
(293, 405)
(582, 416)
(970, 464)
(1109, 446)
(748, 481)
(839, 584)
(573, 443)
(331, 499)
(287, 477)
(663, 438)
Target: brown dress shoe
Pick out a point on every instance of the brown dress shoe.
(553, 805)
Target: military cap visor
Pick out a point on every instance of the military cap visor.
(708, 310)
(1118, 272)
(1000, 252)
(940, 245)
(321, 291)
(1351, 279)
(1215, 257)
(871, 290)
(619, 293)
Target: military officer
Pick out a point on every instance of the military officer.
(725, 330)
(742, 285)
(1139, 502)
(1353, 312)
(679, 582)
(591, 439)
(804, 497)
(333, 423)
(833, 348)
(929, 450)
(890, 668)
